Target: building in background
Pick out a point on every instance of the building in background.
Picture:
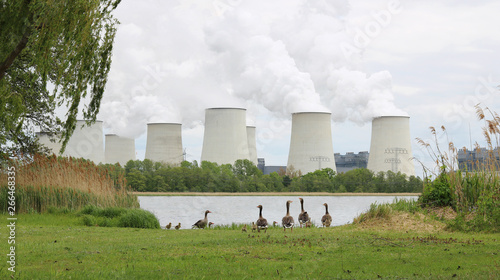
(311, 146)
(478, 159)
(164, 143)
(390, 147)
(118, 149)
(252, 144)
(86, 142)
(225, 137)
(351, 161)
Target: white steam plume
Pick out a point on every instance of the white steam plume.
(173, 59)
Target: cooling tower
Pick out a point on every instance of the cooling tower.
(311, 145)
(225, 137)
(44, 139)
(118, 149)
(164, 143)
(390, 147)
(87, 142)
(252, 144)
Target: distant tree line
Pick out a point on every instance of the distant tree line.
(244, 176)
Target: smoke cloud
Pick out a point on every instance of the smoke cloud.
(173, 59)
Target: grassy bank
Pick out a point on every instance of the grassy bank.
(56, 246)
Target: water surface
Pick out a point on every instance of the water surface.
(243, 209)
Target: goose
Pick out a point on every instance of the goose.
(327, 219)
(254, 226)
(309, 223)
(178, 226)
(210, 224)
(287, 221)
(261, 222)
(303, 216)
(244, 228)
(202, 223)
(169, 226)
(275, 224)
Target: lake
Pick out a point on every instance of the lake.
(243, 209)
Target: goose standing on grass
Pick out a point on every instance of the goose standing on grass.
(169, 226)
(327, 219)
(210, 225)
(202, 223)
(287, 221)
(178, 226)
(254, 226)
(261, 222)
(303, 216)
(244, 228)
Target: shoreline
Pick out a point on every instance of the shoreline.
(268, 194)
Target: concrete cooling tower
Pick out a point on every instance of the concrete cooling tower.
(87, 142)
(44, 139)
(311, 145)
(252, 144)
(225, 137)
(164, 143)
(118, 149)
(390, 147)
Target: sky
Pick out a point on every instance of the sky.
(359, 59)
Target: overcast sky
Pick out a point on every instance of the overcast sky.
(430, 60)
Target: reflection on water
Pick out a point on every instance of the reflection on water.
(243, 209)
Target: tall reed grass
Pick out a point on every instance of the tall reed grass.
(476, 188)
(43, 182)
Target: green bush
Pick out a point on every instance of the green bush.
(118, 217)
(138, 218)
(438, 193)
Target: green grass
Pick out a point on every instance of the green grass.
(58, 246)
(118, 217)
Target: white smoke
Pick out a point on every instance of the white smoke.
(173, 59)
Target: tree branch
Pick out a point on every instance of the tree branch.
(12, 56)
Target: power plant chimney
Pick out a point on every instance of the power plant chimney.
(390, 147)
(311, 145)
(225, 137)
(118, 149)
(252, 144)
(164, 143)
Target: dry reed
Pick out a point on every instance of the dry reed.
(43, 182)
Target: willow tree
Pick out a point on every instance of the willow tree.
(53, 54)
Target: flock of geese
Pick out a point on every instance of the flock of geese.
(261, 224)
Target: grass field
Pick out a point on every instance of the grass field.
(58, 246)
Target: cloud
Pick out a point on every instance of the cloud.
(173, 59)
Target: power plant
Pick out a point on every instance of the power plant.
(87, 142)
(225, 138)
(118, 149)
(390, 147)
(164, 143)
(44, 139)
(311, 146)
(252, 144)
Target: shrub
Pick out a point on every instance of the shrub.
(138, 218)
(438, 193)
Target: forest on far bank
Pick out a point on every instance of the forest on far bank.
(244, 176)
